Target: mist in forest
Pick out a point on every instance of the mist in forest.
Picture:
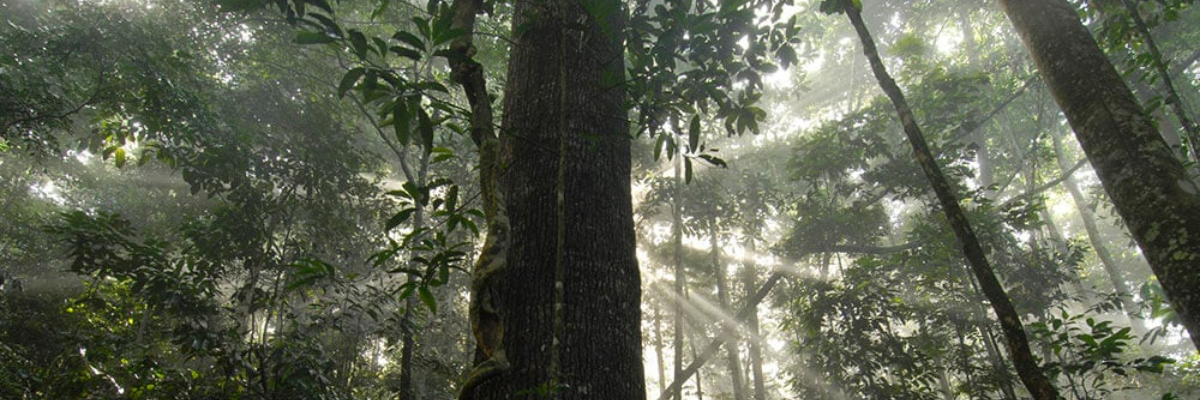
(599, 199)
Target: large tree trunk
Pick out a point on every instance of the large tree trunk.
(1010, 322)
(1147, 184)
(568, 302)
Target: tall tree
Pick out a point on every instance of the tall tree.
(1031, 374)
(1120, 287)
(1150, 188)
(733, 361)
(566, 304)
(680, 274)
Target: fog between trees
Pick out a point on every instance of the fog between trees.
(751, 199)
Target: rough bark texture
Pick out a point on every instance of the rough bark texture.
(1018, 344)
(1148, 186)
(566, 181)
(485, 313)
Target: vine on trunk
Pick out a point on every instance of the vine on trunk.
(485, 314)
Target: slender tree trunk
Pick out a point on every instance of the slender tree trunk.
(407, 336)
(731, 349)
(680, 275)
(711, 349)
(692, 344)
(1191, 130)
(751, 307)
(1028, 369)
(658, 349)
(750, 279)
(1151, 190)
(1093, 232)
(983, 151)
(568, 303)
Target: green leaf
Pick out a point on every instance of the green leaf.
(714, 160)
(399, 218)
(687, 170)
(441, 154)
(349, 80)
(406, 52)
(381, 46)
(400, 122)
(427, 297)
(425, 125)
(452, 198)
(409, 39)
(694, 133)
(119, 157)
(358, 42)
(659, 144)
(305, 37)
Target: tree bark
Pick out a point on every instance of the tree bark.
(1027, 368)
(568, 302)
(1147, 184)
(731, 349)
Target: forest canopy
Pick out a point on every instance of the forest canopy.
(599, 199)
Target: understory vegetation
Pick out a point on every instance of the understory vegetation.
(287, 199)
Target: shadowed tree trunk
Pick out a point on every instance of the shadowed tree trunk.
(1018, 344)
(564, 305)
(1151, 191)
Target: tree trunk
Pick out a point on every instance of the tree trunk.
(750, 279)
(692, 333)
(711, 349)
(1192, 132)
(1093, 233)
(658, 349)
(680, 275)
(732, 346)
(568, 302)
(1147, 184)
(407, 336)
(1027, 368)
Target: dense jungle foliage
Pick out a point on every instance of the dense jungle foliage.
(293, 199)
